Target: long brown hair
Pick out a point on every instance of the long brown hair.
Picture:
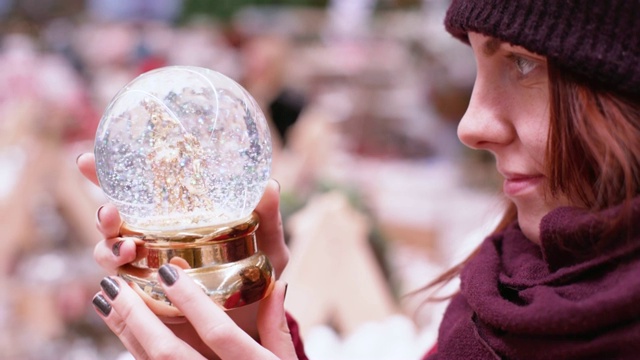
(593, 150)
(592, 155)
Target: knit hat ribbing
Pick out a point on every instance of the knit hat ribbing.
(598, 41)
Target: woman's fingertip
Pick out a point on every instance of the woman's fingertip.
(280, 290)
(168, 274)
(110, 287)
(98, 215)
(101, 304)
(78, 158)
(115, 249)
(277, 184)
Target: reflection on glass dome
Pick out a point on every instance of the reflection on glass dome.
(183, 147)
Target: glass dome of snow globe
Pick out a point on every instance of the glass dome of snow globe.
(182, 147)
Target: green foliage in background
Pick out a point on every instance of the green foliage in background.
(225, 9)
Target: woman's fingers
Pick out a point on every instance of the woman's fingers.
(108, 221)
(137, 326)
(272, 324)
(118, 327)
(213, 325)
(87, 164)
(270, 235)
(113, 251)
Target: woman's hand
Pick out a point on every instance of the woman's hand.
(114, 251)
(146, 337)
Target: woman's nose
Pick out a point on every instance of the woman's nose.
(485, 124)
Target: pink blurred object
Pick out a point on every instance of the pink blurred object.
(46, 80)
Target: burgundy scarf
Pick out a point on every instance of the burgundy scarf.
(577, 296)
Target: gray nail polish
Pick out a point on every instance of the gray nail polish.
(102, 305)
(78, 157)
(168, 274)
(98, 215)
(115, 249)
(110, 287)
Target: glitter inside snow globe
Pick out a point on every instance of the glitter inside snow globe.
(184, 153)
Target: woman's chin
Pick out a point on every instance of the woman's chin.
(530, 225)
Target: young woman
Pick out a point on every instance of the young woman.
(557, 102)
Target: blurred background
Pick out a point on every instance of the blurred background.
(378, 195)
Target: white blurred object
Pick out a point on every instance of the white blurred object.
(125, 356)
(12, 161)
(348, 20)
(392, 338)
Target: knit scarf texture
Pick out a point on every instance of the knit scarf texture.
(575, 296)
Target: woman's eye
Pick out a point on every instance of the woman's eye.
(524, 65)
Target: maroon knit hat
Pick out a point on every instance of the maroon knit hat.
(598, 41)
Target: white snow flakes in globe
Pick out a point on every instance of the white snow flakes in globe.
(183, 147)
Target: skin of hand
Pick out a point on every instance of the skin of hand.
(131, 319)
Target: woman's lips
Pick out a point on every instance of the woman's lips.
(519, 184)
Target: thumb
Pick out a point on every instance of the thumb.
(272, 324)
(87, 164)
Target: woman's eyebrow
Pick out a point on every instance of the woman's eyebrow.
(491, 46)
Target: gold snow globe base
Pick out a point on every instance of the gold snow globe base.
(224, 260)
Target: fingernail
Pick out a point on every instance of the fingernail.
(78, 158)
(277, 182)
(100, 303)
(110, 287)
(286, 286)
(98, 215)
(168, 274)
(115, 249)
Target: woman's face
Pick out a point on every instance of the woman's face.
(508, 115)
